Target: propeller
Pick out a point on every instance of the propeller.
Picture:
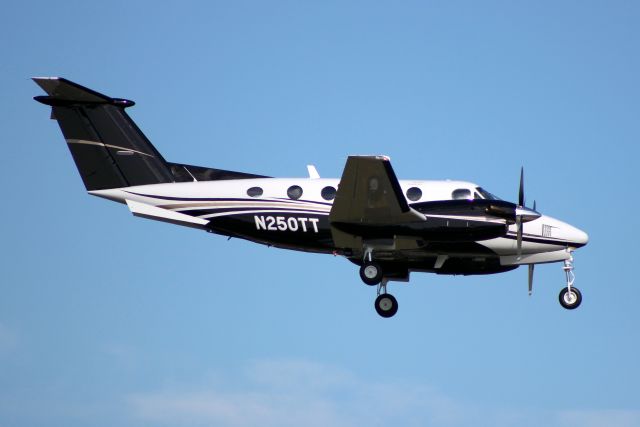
(531, 266)
(524, 214)
(519, 215)
(521, 191)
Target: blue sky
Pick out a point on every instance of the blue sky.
(107, 319)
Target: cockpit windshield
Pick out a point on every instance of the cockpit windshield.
(485, 194)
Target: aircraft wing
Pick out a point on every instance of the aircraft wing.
(369, 194)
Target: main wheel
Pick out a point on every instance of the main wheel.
(386, 305)
(570, 299)
(371, 273)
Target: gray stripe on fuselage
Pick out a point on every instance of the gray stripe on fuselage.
(101, 144)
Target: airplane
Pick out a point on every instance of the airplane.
(387, 227)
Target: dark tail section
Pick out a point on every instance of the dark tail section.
(108, 148)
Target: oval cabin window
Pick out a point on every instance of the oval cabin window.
(328, 193)
(254, 192)
(414, 194)
(294, 192)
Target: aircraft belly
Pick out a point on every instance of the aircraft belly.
(465, 267)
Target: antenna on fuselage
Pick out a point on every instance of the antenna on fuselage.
(313, 172)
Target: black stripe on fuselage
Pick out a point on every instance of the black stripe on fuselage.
(228, 199)
(257, 200)
(301, 200)
(545, 241)
(241, 210)
(468, 207)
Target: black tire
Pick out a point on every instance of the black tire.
(567, 301)
(386, 305)
(371, 273)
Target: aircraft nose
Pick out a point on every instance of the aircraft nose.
(567, 233)
(578, 236)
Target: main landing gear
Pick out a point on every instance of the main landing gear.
(386, 304)
(371, 274)
(570, 297)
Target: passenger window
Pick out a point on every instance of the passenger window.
(254, 192)
(461, 194)
(328, 193)
(414, 194)
(294, 192)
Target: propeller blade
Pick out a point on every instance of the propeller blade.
(534, 205)
(521, 192)
(519, 235)
(531, 278)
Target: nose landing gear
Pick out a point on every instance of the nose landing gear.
(570, 297)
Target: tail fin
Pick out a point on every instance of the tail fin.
(108, 148)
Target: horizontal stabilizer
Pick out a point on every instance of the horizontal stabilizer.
(61, 91)
(144, 210)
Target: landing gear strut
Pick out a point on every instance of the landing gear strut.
(570, 297)
(370, 271)
(371, 274)
(386, 304)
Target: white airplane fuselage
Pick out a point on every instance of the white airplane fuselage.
(275, 219)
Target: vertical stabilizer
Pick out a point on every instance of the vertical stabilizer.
(108, 148)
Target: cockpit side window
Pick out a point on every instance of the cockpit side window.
(461, 194)
(485, 194)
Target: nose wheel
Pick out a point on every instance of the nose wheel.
(570, 297)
